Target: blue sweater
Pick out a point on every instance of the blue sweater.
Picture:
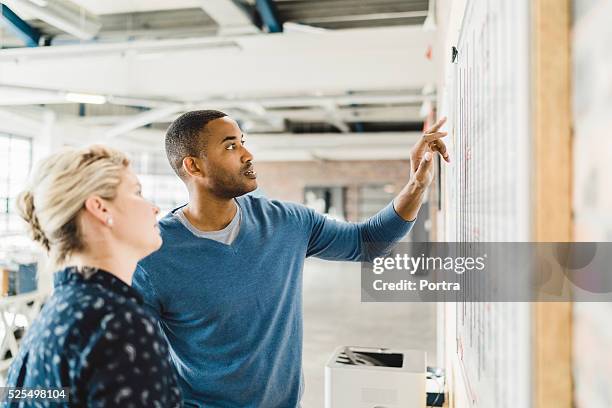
(232, 314)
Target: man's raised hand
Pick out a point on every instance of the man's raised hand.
(429, 142)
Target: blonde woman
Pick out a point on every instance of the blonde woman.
(93, 336)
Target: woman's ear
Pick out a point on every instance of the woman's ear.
(97, 207)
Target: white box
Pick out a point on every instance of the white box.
(398, 384)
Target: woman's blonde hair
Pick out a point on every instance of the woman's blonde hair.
(56, 194)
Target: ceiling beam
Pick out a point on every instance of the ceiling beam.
(333, 117)
(400, 113)
(317, 101)
(244, 66)
(291, 27)
(269, 15)
(256, 112)
(123, 49)
(20, 28)
(261, 105)
(142, 119)
(59, 16)
(302, 147)
(231, 17)
(348, 115)
(20, 123)
(364, 17)
(346, 146)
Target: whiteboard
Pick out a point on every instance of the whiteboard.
(486, 196)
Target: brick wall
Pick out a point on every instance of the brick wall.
(286, 180)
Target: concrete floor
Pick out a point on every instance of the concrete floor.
(334, 316)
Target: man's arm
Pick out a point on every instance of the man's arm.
(346, 241)
(330, 239)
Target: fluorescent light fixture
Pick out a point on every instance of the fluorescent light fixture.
(85, 98)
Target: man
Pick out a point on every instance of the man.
(226, 285)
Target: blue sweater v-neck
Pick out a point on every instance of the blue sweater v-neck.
(232, 314)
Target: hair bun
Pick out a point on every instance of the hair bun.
(25, 207)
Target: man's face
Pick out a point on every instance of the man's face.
(228, 168)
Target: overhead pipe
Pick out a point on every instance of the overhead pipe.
(19, 27)
(269, 15)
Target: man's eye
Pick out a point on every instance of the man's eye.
(243, 142)
(231, 147)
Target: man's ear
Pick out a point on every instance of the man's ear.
(193, 166)
(96, 206)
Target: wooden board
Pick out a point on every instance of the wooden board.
(553, 174)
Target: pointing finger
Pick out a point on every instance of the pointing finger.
(437, 126)
(431, 137)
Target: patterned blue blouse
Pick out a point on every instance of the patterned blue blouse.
(94, 337)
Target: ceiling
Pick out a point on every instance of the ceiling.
(339, 66)
(135, 6)
(121, 20)
(342, 14)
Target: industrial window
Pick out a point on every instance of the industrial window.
(15, 163)
(159, 183)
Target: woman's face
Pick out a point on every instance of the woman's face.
(134, 218)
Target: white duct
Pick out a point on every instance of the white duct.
(59, 16)
(142, 119)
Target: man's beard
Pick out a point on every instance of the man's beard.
(230, 186)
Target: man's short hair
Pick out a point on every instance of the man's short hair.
(186, 136)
